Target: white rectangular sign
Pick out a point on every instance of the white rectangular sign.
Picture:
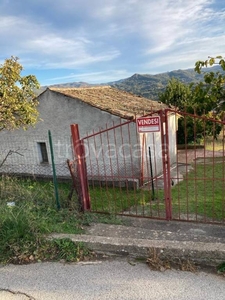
(148, 124)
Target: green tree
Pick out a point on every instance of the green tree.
(176, 94)
(205, 99)
(210, 62)
(18, 106)
(209, 95)
(214, 84)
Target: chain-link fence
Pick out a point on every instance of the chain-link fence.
(30, 169)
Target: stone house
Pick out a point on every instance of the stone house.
(92, 108)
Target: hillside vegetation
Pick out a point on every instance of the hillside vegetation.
(146, 85)
(150, 86)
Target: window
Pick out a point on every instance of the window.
(43, 154)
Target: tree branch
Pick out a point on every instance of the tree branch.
(10, 152)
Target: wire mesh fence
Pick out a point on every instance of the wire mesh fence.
(26, 170)
(142, 175)
(31, 155)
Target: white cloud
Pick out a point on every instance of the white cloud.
(173, 21)
(66, 53)
(132, 35)
(185, 55)
(49, 49)
(160, 23)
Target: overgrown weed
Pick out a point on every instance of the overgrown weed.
(28, 214)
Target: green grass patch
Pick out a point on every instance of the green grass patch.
(115, 200)
(28, 213)
(111, 200)
(202, 192)
(24, 226)
(22, 239)
(200, 195)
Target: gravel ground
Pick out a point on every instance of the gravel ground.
(113, 279)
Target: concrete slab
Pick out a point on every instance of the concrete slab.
(202, 244)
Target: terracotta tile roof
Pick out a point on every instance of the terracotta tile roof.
(117, 102)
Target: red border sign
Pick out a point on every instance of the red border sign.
(148, 124)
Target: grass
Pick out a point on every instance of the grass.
(115, 200)
(23, 238)
(28, 213)
(212, 144)
(111, 200)
(199, 196)
(24, 226)
(202, 191)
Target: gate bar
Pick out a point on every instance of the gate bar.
(166, 168)
(167, 141)
(79, 152)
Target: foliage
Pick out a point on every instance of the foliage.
(37, 199)
(23, 227)
(115, 200)
(205, 99)
(210, 62)
(18, 234)
(18, 107)
(192, 129)
(214, 84)
(176, 94)
(221, 268)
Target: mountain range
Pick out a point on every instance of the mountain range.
(146, 85)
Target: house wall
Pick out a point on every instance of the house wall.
(154, 142)
(57, 113)
(114, 154)
(154, 163)
(172, 126)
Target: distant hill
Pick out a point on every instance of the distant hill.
(73, 84)
(150, 86)
(147, 85)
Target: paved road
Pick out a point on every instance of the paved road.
(115, 279)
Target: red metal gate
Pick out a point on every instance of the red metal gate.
(153, 175)
(198, 174)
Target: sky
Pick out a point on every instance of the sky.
(99, 41)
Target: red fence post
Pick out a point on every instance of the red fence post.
(166, 163)
(79, 152)
(169, 181)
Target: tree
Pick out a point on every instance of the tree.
(18, 104)
(205, 99)
(210, 62)
(214, 83)
(176, 94)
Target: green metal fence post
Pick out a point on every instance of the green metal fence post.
(54, 171)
